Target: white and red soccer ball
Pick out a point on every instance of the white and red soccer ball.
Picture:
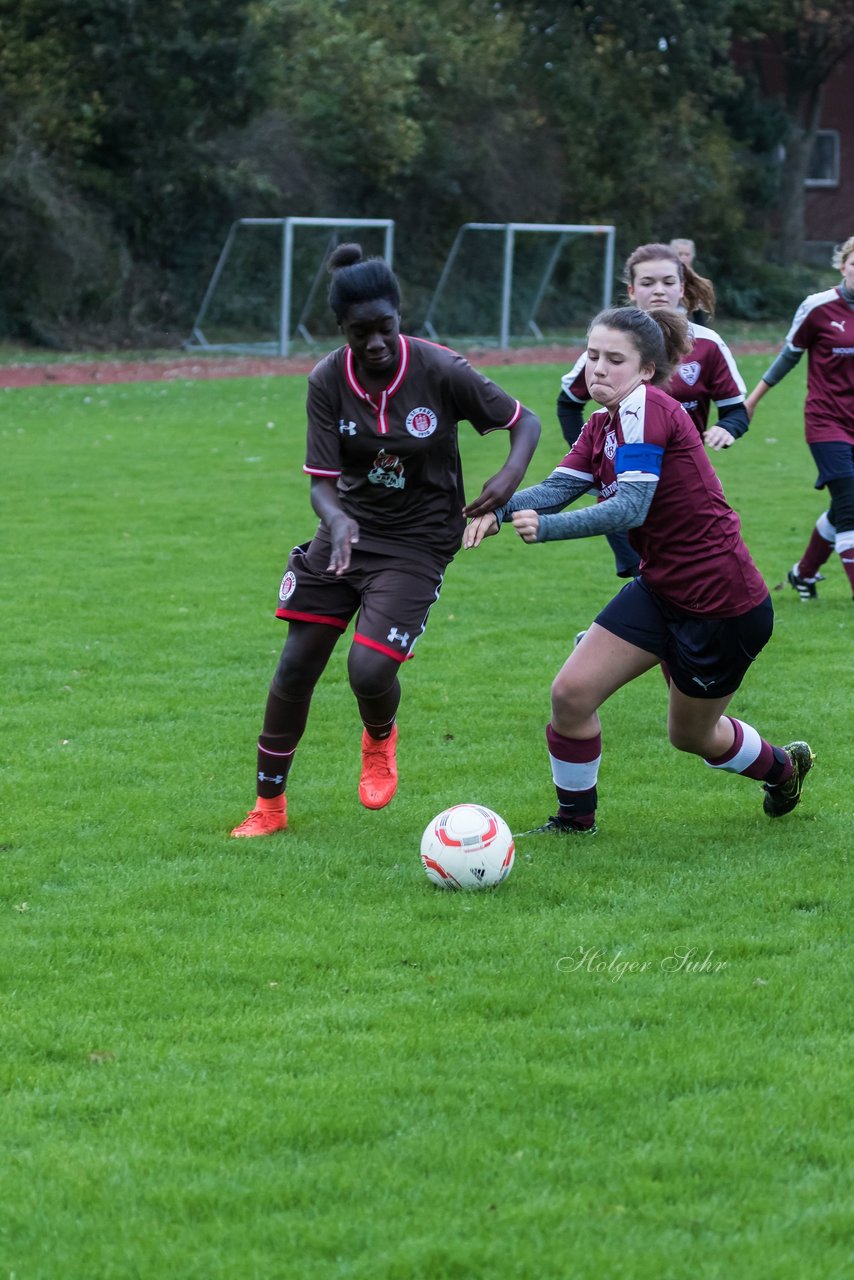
(467, 847)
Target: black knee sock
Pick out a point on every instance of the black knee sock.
(284, 724)
(378, 713)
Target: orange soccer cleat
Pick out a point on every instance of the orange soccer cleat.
(268, 817)
(378, 782)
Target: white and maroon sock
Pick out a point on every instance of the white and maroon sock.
(575, 768)
(753, 757)
(818, 550)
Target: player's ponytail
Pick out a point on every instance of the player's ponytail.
(359, 279)
(699, 292)
(661, 336)
(677, 341)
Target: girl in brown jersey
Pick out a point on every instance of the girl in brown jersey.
(386, 484)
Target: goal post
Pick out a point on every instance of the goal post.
(563, 232)
(283, 325)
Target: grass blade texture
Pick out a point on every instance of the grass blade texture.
(294, 1057)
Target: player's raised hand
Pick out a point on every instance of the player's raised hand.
(344, 533)
(479, 528)
(526, 524)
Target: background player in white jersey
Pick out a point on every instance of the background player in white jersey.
(387, 485)
(655, 276)
(824, 327)
(699, 604)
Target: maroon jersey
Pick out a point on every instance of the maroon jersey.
(708, 374)
(690, 545)
(824, 327)
(394, 454)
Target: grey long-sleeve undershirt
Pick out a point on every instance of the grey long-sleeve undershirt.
(624, 510)
(784, 363)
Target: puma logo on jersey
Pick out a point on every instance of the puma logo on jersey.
(838, 324)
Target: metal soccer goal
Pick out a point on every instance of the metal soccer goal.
(266, 280)
(519, 306)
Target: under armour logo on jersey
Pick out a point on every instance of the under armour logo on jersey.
(349, 427)
(838, 324)
(278, 778)
(402, 638)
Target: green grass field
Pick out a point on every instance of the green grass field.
(294, 1057)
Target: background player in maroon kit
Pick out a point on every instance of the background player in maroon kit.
(386, 482)
(824, 327)
(699, 604)
(655, 276)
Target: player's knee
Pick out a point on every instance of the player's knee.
(569, 698)
(371, 674)
(295, 676)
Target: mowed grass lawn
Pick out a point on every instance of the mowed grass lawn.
(296, 1058)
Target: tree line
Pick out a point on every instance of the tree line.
(133, 132)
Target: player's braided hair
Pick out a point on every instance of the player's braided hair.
(699, 292)
(661, 336)
(358, 279)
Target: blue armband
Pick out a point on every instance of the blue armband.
(639, 457)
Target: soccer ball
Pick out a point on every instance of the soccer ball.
(467, 847)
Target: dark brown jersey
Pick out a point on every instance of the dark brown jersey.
(394, 454)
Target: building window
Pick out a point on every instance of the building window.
(823, 168)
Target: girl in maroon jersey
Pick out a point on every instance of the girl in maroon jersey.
(699, 604)
(824, 327)
(656, 276)
(387, 486)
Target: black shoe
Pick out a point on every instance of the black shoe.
(559, 827)
(782, 797)
(805, 587)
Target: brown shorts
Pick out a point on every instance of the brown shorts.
(391, 594)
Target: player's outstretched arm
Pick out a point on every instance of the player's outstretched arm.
(524, 435)
(761, 388)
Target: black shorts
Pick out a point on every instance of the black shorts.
(392, 595)
(706, 656)
(834, 461)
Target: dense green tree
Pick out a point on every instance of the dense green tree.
(108, 158)
(132, 132)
